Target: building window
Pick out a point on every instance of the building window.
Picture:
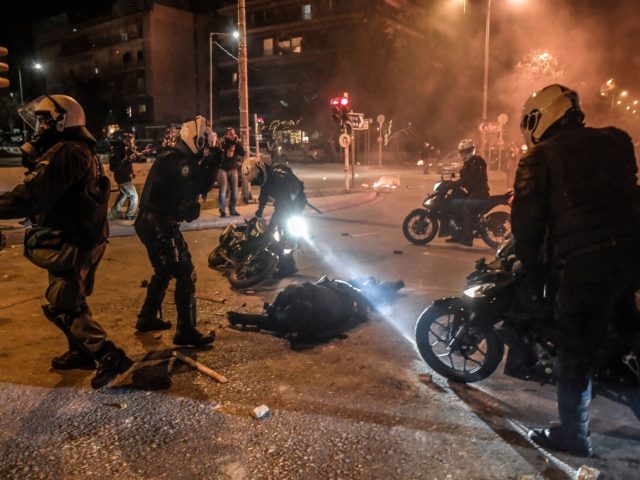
(123, 35)
(296, 44)
(142, 108)
(126, 58)
(129, 112)
(290, 45)
(140, 56)
(267, 46)
(140, 84)
(306, 11)
(96, 70)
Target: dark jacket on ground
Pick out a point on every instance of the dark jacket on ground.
(578, 189)
(64, 193)
(473, 177)
(232, 153)
(175, 183)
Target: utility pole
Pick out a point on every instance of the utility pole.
(243, 87)
(211, 79)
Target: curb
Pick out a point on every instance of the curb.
(209, 218)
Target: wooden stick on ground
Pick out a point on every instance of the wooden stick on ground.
(200, 367)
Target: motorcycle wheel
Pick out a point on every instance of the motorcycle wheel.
(253, 269)
(419, 228)
(496, 226)
(215, 259)
(479, 352)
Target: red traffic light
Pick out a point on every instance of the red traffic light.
(340, 101)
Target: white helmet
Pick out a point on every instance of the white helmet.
(466, 149)
(59, 110)
(197, 135)
(252, 168)
(545, 108)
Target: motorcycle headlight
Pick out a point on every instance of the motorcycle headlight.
(297, 227)
(435, 187)
(276, 235)
(478, 291)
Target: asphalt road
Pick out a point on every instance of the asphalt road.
(507, 405)
(359, 407)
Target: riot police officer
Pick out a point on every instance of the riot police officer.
(67, 192)
(179, 177)
(474, 180)
(277, 182)
(576, 188)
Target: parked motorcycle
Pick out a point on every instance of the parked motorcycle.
(438, 216)
(463, 338)
(253, 252)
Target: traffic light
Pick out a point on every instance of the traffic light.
(4, 82)
(340, 109)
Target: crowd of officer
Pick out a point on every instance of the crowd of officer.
(575, 218)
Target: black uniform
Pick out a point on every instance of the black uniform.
(175, 183)
(577, 192)
(473, 178)
(286, 190)
(67, 192)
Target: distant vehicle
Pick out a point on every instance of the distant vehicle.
(447, 165)
(308, 154)
(10, 144)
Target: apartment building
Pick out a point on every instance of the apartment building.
(143, 65)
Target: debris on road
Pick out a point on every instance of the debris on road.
(388, 182)
(144, 284)
(120, 405)
(345, 234)
(588, 473)
(200, 367)
(365, 234)
(425, 377)
(261, 412)
(398, 252)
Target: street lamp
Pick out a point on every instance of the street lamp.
(235, 35)
(487, 35)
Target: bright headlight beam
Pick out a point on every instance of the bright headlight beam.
(478, 291)
(297, 227)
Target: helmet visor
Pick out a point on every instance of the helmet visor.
(28, 112)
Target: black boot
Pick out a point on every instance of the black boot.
(186, 332)
(149, 324)
(555, 438)
(112, 361)
(73, 359)
(77, 357)
(148, 318)
(572, 435)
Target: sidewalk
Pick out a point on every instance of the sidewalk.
(325, 200)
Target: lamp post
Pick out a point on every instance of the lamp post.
(243, 80)
(485, 88)
(211, 35)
